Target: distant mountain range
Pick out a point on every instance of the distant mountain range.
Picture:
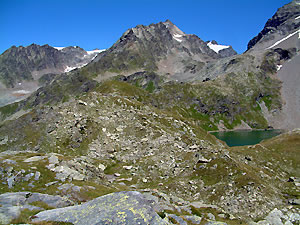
(24, 69)
(172, 55)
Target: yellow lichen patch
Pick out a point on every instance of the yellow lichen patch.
(138, 211)
(122, 216)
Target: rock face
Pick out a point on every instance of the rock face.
(116, 208)
(24, 69)
(160, 47)
(279, 36)
(31, 62)
(222, 50)
(284, 22)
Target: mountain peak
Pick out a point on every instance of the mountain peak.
(174, 30)
(168, 22)
(284, 22)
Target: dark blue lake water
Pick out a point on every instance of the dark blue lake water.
(245, 137)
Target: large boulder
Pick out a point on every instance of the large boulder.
(117, 208)
(12, 204)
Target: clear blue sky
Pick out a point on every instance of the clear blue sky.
(94, 24)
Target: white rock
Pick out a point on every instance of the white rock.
(34, 159)
(53, 160)
(119, 129)
(194, 146)
(102, 167)
(201, 159)
(144, 140)
(78, 176)
(37, 175)
(82, 102)
(127, 167)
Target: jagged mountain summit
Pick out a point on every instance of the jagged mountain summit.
(222, 50)
(160, 47)
(280, 31)
(24, 69)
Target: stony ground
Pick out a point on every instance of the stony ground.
(102, 143)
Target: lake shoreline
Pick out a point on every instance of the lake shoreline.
(242, 130)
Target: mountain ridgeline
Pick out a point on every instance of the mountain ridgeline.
(31, 62)
(160, 47)
(220, 89)
(283, 23)
(24, 69)
(125, 131)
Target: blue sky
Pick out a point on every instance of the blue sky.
(94, 24)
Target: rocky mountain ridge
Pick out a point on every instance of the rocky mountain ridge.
(282, 33)
(284, 22)
(31, 62)
(25, 69)
(160, 47)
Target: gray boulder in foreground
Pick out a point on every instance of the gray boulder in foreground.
(12, 204)
(117, 208)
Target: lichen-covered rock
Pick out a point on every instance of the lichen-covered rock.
(11, 204)
(24, 198)
(193, 219)
(215, 223)
(116, 208)
(178, 219)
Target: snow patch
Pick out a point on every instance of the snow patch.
(178, 37)
(217, 48)
(21, 92)
(283, 39)
(94, 57)
(95, 51)
(278, 67)
(59, 48)
(297, 18)
(69, 68)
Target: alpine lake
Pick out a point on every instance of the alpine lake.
(245, 137)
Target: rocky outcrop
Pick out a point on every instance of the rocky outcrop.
(280, 217)
(116, 208)
(284, 22)
(12, 204)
